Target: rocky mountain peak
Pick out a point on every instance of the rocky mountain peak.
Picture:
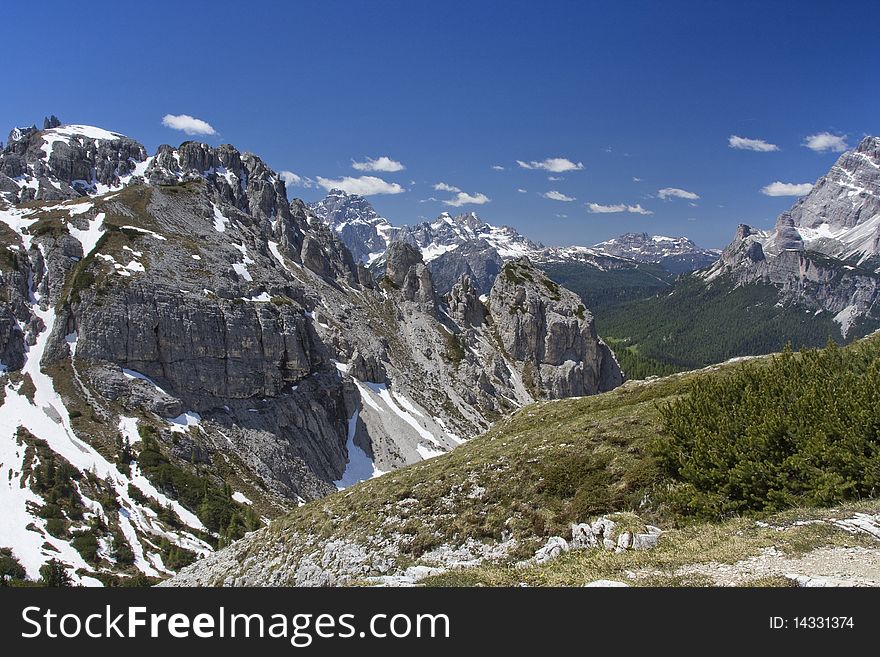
(846, 197)
(66, 161)
(405, 268)
(353, 218)
(824, 252)
(465, 306)
(549, 330)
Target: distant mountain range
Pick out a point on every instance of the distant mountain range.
(814, 276)
(465, 244)
(675, 254)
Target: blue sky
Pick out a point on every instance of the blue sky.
(648, 90)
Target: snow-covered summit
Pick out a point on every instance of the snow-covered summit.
(447, 233)
(65, 161)
(356, 222)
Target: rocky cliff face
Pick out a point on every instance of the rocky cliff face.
(549, 333)
(824, 252)
(205, 345)
(66, 161)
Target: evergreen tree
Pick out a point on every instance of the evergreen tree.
(10, 568)
(54, 574)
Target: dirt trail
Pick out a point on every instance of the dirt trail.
(852, 566)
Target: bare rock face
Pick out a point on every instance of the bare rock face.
(465, 306)
(547, 330)
(406, 270)
(847, 196)
(824, 252)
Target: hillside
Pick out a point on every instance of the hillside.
(469, 516)
(693, 325)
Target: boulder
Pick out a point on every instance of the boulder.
(645, 541)
(555, 546)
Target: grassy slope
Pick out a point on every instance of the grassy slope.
(548, 465)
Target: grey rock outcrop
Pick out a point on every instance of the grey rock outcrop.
(406, 270)
(550, 333)
(555, 547)
(465, 306)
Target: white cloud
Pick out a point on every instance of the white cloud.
(430, 199)
(603, 209)
(190, 125)
(463, 198)
(365, 185)
(668, 192)
(824, 141)
(522, 191)
(638, 209)
(294, 180)
(597, 208)
(557, 196)
(636, 179)
(555, 178)
(383, 163)
(786, 189)
(562, 216)
(746, 144)
(552, 164)
(497, 167)
(444, 187)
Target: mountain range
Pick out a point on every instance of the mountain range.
(465, 244)
(186, 353)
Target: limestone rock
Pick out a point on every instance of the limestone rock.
(606, 583)
(555, 546)
(582, 537)
(645, 541)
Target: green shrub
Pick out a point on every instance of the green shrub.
(57, 527)
(122, 551)
(803, 429)
(209, 499)
(54, 573)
